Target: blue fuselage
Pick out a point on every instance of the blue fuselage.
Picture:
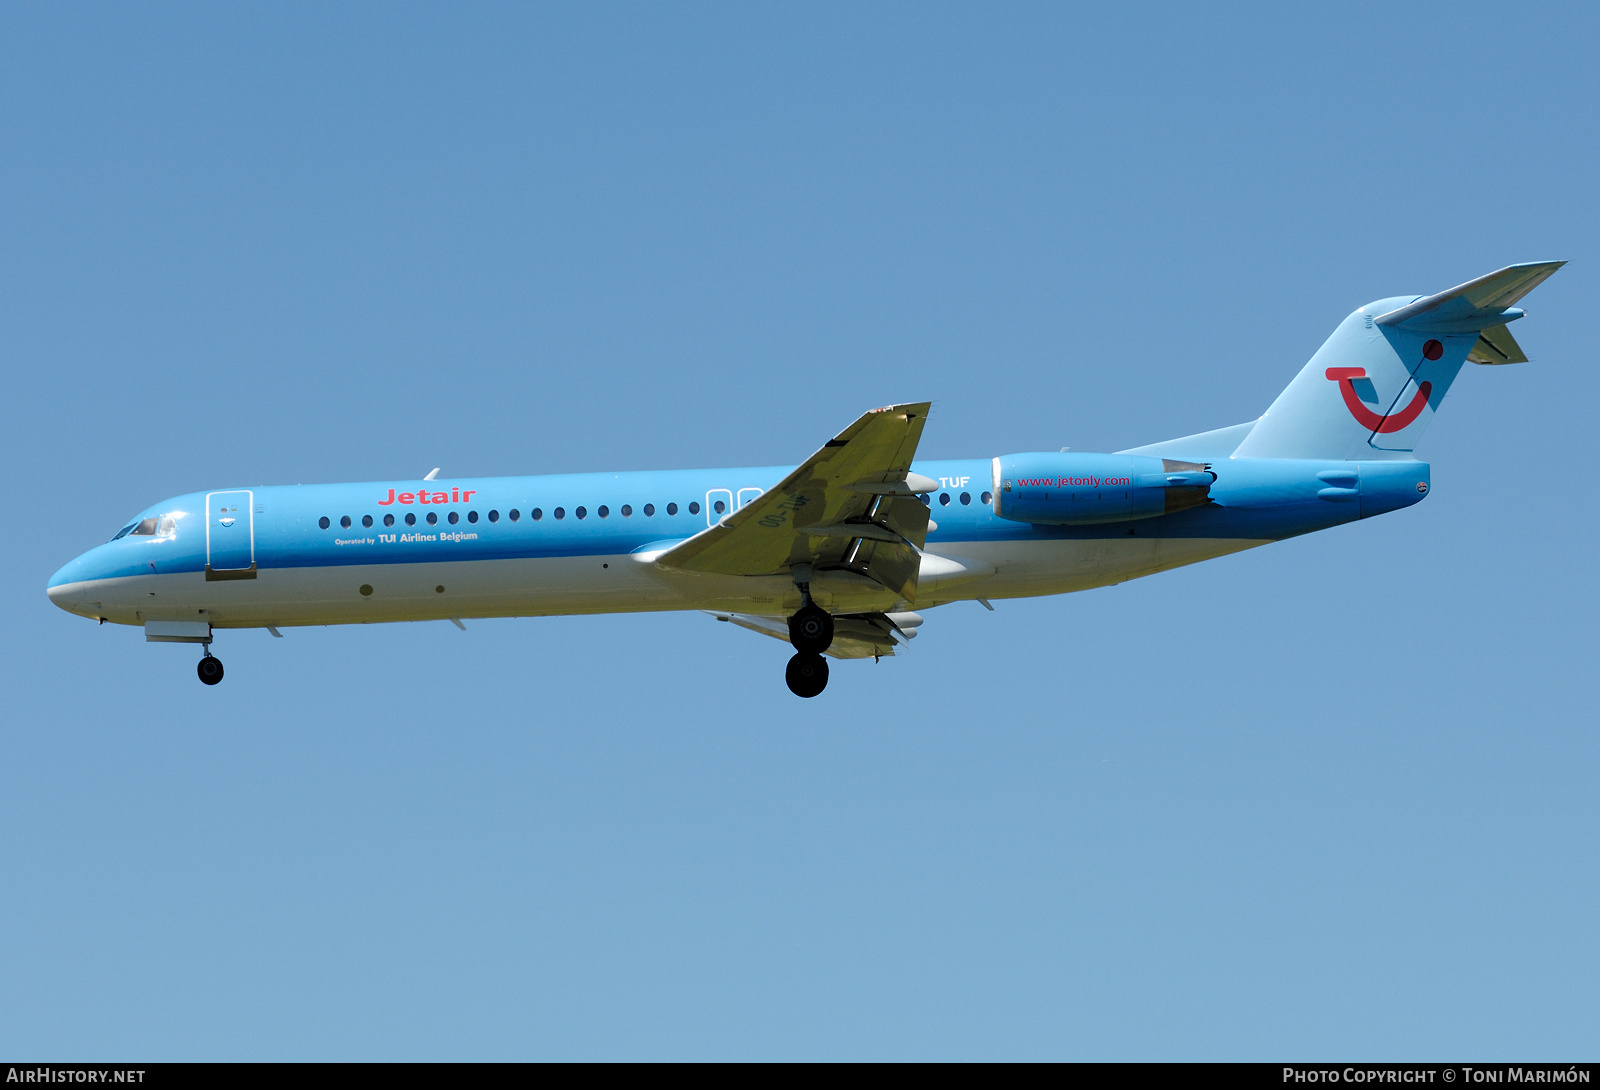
(581, 543)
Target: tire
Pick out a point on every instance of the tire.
(210, 670)
(811, 630)
(807, 675)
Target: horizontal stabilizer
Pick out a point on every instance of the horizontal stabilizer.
(1476, 305)
(1497, 345)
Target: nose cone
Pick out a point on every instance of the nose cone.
(68, 587)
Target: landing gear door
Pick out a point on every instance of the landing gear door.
(230, 535)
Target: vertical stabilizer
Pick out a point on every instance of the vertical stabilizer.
(1374, 385)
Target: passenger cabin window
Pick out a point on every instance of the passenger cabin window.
(966, 498)
(388, 520)
(494, 516)
(323, 522)
(433, 518)
(986, 497)
(455, 517)
(672, 509)
(627, 510)
(649, 509)
(411, 518)
(560, 512)
(694, 508)
(345, 522)
(603, 511)
(514, 513)
(581, 512)
(719, 507)
(944, 499)
(472, 516)
(366, 520)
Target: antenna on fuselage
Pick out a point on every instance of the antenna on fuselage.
(432, 474)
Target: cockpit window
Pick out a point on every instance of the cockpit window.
(163, 526)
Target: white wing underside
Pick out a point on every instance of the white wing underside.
(855, 636)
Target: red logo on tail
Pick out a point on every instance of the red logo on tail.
(1365, 416)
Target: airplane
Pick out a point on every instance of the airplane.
(836, 557)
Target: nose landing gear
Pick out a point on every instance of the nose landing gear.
(210, 668)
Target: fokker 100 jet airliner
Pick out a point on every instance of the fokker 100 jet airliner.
(835, 556)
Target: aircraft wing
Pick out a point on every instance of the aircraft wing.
(851, 506)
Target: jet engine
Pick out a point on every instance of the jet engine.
(1070, 489)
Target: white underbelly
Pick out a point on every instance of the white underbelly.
(367, 594)
(370, 593)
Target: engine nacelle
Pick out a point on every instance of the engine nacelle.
(1070, 489)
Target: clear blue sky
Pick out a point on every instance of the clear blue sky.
(1331, 798)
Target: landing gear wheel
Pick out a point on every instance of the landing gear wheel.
(811, 630)
(210, 670)
(807, 674)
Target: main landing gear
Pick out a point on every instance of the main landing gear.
(210, 668)
(811, 629)
(811, 633)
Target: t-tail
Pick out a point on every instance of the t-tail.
(1373, 386)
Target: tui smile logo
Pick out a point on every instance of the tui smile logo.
(1382, 425)
(1346, 376)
